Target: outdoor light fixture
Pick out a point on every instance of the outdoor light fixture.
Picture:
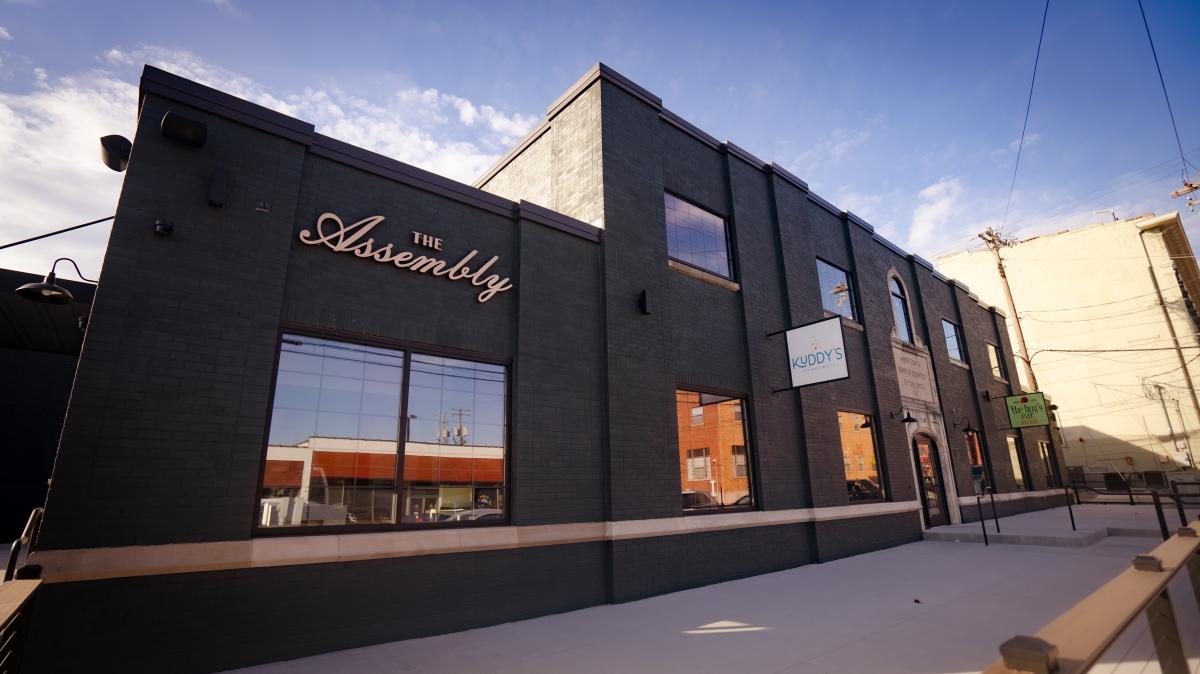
(49, 292)
(184, 130)
(986, 395)
(866, 423)
(908, 418)
(114, 152)
(968, 428)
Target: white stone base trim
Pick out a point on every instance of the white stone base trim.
(59, 566)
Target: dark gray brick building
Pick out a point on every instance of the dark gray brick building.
(347, 401)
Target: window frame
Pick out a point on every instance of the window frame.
(958, 341)
(880, 463)
(752, 480)
(409, 348)
(999, 370)
(727, 226)
(850, 291)
(907, 310)
(1022, 464)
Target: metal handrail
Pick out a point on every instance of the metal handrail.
(1074, 641)
(19, 551)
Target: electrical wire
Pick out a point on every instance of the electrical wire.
(1028, 104)
(1086, 306)
(1163, 82)
(60, 231)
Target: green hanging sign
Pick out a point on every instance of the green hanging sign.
(1026, 409)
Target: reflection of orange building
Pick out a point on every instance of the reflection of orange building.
(713, 459)
(858, 457)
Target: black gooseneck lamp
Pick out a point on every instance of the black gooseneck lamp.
(967, 428)
(908, 418)
(49, 292)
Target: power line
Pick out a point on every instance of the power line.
(1167, 98)
(1028, 104)
(1089, 306)
(60, 231)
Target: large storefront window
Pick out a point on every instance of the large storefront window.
(975, 457)
(714, 466)
(861, 461)
(454, 454)
(336, 428)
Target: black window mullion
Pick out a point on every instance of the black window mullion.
(402, 434)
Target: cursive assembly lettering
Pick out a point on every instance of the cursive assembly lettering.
(342, 238)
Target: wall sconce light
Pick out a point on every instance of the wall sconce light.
(49, 292)
(866, 422)
(114, 152)
(967, 427)
(908, 418)
(184, 130)
(986, 395)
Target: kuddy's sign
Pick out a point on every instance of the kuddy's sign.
(339, 237)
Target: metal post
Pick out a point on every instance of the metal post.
(1129, 487)
(982, 521)
(1162, 520)
(1077, 499)
(995, 517)
(1070, 511)
(1164, 633)
(1178, 505)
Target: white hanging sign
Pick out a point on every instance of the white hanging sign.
(817, 352)
(339, 237)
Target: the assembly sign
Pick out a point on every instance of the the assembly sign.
(817, 353)
(1026, 409)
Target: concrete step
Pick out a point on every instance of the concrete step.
(1068, 539)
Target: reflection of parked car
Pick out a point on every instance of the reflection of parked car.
(476, 514)
(743, 501)
(697, 499)
(863, 490)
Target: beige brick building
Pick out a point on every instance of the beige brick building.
(1111, 328)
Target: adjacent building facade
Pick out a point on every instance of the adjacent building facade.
(348, 401)
(1111, 326)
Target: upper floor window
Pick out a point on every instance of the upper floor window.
(696, 236)
(996, 362)
(900, 311)
(953, 341)
(836, 297)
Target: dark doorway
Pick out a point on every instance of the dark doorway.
(929, 472)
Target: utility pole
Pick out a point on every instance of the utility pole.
(1170, 426)
(994, 242)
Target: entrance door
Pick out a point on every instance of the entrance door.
(929, 472)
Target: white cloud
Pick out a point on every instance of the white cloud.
(228, 7)
(834, 146)
(938, 206)
(1030, 140)
(4, 34)
(49, 138)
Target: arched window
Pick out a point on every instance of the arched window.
(900, 311)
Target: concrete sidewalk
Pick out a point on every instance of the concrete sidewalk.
(924, 607)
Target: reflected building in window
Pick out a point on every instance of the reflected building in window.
(714, 464)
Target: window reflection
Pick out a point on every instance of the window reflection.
(331, 449)
(975, 458)
(714, 466)
(696, 236)
(859, 458)
(835, 290)
(900, 311)
(454, 453)
(1014, 455)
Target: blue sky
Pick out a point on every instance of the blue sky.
(906, 113)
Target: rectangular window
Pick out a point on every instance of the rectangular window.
(714, 462)
(1048, 464)
(995, 361)
(337, 427)
(698, 464)
(975, 458)
(741, 468)
(836, 297)
(696, 236)
(697, 416)
(1014, 455)
(953, 341)
(861, 460)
